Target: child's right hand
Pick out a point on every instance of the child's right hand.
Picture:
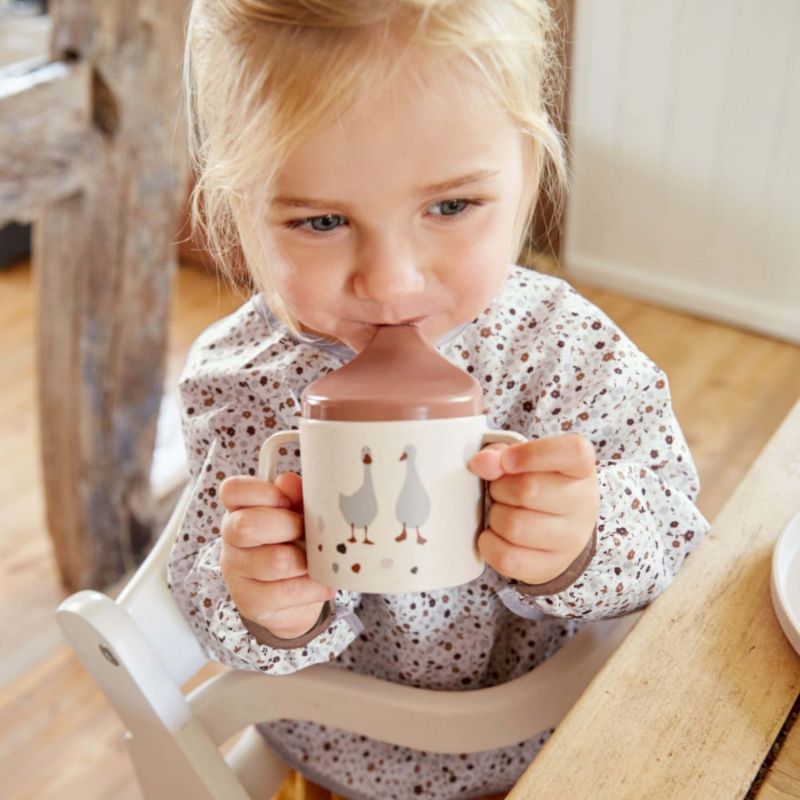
(265, 570)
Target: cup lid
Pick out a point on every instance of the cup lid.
(397, 376)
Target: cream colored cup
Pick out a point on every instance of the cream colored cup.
(390, 506)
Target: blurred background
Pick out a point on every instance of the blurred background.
(682, 120)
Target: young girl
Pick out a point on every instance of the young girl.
(375, 162)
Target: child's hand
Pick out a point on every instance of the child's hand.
(545, 499)
(266, 573)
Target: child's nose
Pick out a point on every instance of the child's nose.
(387, 272)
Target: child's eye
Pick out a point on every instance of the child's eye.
(454, 208)
(322, 224)
(327, 223)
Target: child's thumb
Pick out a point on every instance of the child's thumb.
(291, 484)
(486, 463)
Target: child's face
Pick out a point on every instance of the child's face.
(360, 237)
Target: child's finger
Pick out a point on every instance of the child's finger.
(486, 464)
(534, 529)
(243, 491)
(268, 597)
(549, 492)
(253, 527)
(291, 485)
(273, 562)
(521, 563)
(570, 455)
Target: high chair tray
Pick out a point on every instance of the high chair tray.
(786, 581)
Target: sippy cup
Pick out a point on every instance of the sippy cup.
(389, 504)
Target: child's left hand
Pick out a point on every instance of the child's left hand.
(545, 499)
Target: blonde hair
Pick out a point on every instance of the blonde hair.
(261, 75)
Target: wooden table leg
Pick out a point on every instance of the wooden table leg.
(104, 259)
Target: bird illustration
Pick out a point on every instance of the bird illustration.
(361, 508)
(413, 504)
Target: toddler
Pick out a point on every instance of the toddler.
(376, 162)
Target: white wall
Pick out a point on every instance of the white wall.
(684, 126)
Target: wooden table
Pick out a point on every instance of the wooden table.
(694, 699)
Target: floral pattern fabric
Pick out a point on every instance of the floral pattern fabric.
(549, 363)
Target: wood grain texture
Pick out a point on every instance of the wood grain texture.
(783, 778)
(23, 37)
(104, 258)
(46, 137)
(691, 702)
(58, 737)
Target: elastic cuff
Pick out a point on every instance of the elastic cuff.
(266, 637)
(510, 598)
(567, 577)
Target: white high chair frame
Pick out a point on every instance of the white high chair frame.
(140, 650)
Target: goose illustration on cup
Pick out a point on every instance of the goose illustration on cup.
(412, 508)
(361, 508)
(413, 503)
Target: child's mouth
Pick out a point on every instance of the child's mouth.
(412, 321)
(370, 327)
(386, 323)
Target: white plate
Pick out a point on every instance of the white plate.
(786, 581)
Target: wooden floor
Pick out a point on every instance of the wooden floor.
(58, 738)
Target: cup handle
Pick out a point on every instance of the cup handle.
(504, 437)
(495, 437)
(268, 456)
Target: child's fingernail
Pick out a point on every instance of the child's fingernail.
(509, 460)
(492, 467)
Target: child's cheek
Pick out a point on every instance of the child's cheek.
(479, 269)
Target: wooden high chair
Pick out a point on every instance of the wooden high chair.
(140, 650)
